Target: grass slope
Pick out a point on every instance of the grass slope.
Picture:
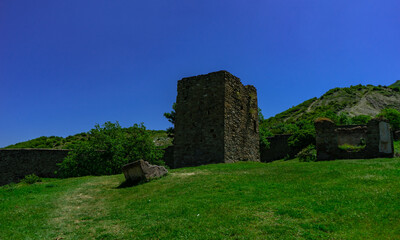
(160, 138)
(354, 100)
(347, 199)
(396, 84)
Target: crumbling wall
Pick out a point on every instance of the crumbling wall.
(216, 120)
(376, 137)
(240, 122)
(396, 135)
(15, 164)
(278, 148)
(351, 134)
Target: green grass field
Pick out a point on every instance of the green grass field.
(345, 199)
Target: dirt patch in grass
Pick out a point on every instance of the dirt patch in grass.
(83, 211)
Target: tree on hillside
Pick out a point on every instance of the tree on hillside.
(170, 116)
(361, 119)
(393, 116)
(107, 149)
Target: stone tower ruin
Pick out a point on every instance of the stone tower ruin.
(216, 121)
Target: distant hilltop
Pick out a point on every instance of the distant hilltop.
(396, 84)
(354, 100)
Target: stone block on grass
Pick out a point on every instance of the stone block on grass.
(142, 171)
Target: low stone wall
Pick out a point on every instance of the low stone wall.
(15, 164)
(376, 137)
(396, 135)
(278, 148)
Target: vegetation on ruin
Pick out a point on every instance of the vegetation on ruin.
(393, 116)
(308, 154)
(107, 149)
(396, 145)
(344, 199)
(351, 148)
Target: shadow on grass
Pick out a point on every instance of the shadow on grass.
(130, 183)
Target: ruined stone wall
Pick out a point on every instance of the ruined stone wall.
(351, 134)
(278, 148)
(199, 124)
(241, 135)
(168, 156)
(396, 135)
(377, 135)
(216, 120)
(15, 164)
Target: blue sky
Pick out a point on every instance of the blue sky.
(67, 65)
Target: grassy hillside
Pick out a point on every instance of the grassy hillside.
(355, 100)
(396, 84)
(159, 137)
(347, 199)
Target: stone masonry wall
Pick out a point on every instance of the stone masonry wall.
(278, 148)
(216, 120)
(351, 134)
(377, 135)
(15, 164)
(396, 135)
(241, 121)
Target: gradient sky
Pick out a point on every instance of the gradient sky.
(67, 65)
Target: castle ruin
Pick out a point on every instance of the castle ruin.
(374, 140)
(216, 121)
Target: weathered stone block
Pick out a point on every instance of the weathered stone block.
(142, 170)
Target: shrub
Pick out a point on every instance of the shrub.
(302, 138)
(393, 116)
(171, 116)
(308, 154)
(31, 179)
(107, 149)
(264, 133)
(360, 119)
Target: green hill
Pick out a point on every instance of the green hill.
(396, 84)
(355, 100)
(346, 199)
(346, 102)
(160, 138)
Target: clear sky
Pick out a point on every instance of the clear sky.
(67, 65)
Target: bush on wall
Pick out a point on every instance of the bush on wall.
(107, 149)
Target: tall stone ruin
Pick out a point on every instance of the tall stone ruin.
(216, 121)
